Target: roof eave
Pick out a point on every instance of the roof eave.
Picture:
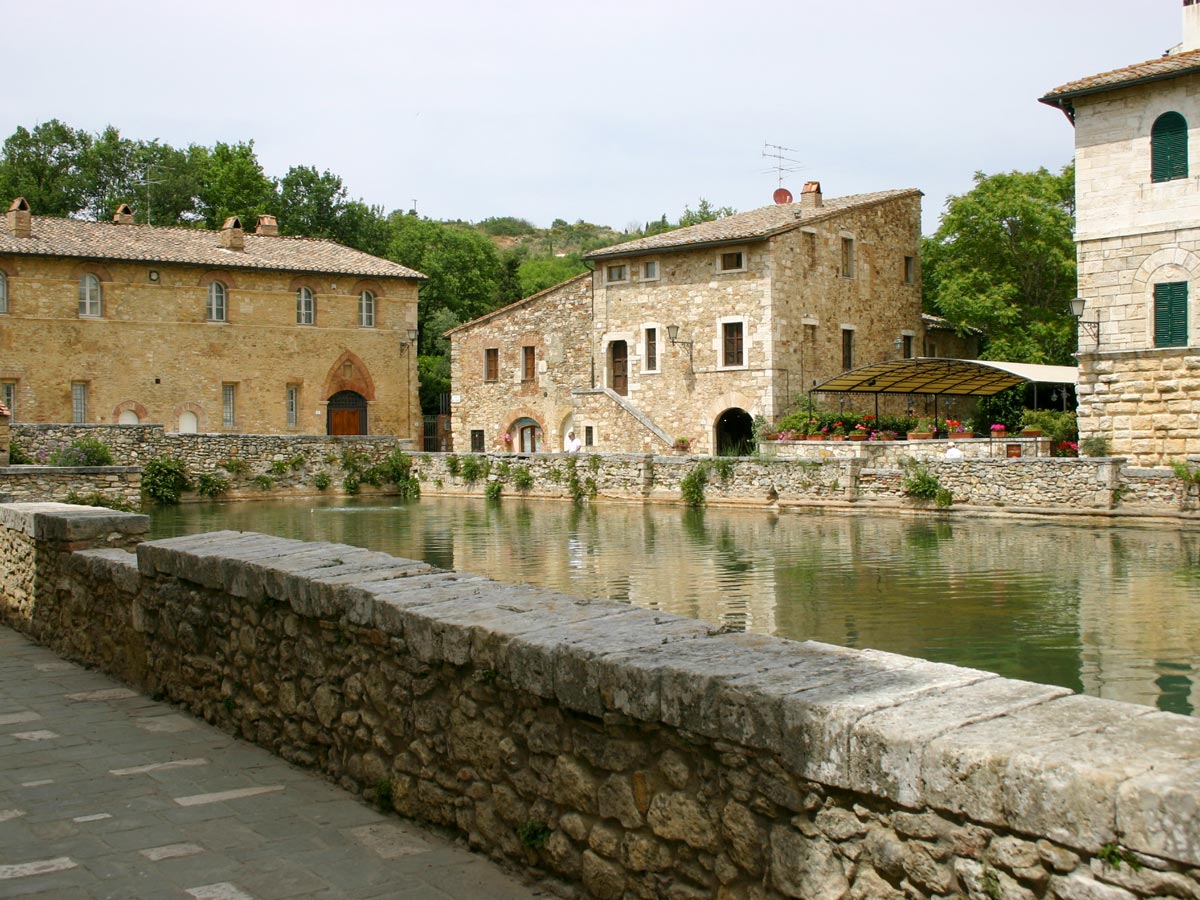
(1064, 100)
(691, 245)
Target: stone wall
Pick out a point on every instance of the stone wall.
(1147, 403)
(121, 485)
(892, 453)
(153, 354)
(637, 754)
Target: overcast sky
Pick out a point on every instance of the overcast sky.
(615, 112)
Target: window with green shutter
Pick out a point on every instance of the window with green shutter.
(1169, 148)
(1170, 314)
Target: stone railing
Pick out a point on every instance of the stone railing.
(878, 454)
(633, 752)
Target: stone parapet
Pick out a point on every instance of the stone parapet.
(117, 485)
(623, 749)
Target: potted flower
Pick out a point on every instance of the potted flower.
(1030, 432)
(682, 444)
(860, 432)
(999, 430)
(955, 428)
(926, 428)
(814, 431)
(838, 431)
(884, 435)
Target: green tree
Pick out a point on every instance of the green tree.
(547, 271)
(704, 212)
(311, 203)
(44, 167)
(1003, 261)
(233, 184)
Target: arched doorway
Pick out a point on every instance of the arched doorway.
(346, 413)
(189, 422)
(528, 436)
(128, 417)
(618, 353)
(735, 433)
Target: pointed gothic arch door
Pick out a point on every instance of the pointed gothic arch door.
(346, 413)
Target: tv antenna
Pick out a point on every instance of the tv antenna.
(783, 163)
(146, 182)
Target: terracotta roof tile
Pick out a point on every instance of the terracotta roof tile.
(753, 225)
(1164, 67)
(193, 246)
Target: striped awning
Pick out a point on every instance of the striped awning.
(954, 377)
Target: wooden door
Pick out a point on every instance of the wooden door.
(345, 421)
(620, 367)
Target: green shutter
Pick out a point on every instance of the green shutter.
(1169, 148)
(1170, 314)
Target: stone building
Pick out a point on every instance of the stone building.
(1138, 239)
(211, 331)
(693, 333)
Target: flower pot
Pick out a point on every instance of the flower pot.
(816, 437)
(1031, 432)
(920, 435)
(837, 437)
(858, 436)
(999, 434)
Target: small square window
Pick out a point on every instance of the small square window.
(491, 364)
(650, 270)
(616, 274)
(476, 440)
(847, 257)
(733, 261)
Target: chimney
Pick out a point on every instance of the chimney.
(123, 215)
(267, 226)
(810, 195)
(20, 220)
(232, 236)
(1191, 26)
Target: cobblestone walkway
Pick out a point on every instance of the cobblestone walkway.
(106, 793)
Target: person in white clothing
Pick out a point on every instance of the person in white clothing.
(572, 444)
(952, 452)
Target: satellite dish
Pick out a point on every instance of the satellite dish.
(782, 195)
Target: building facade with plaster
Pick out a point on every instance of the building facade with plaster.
(203, 331)
(694, 333)
(1138, 240)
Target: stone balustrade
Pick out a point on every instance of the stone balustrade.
(635, 753)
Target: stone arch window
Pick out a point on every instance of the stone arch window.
(1169, 148)
(366, 309)
(306, 306)
(216, 307)
(89, 296)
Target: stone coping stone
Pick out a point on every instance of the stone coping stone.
(70, 523)
(69, 470)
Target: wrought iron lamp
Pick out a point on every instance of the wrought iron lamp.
(409, 339)
(1092, 328)
(673, 336)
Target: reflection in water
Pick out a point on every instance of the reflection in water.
(1114, 612)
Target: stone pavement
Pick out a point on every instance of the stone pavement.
(105, 793)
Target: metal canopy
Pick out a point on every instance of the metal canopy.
(954, 377)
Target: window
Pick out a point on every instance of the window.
(227, 410)
(847, 348)
(366, 309)
(651, 349)
(89, 296)
(910, 270)
(847, 257)
(293, 405)
(650, 270)
(528, 363)
(3, 294)
(491, 364)
(215, 307)
(79, 404)
(589, 436)
(1169, 148)
(907, 342)
(931, 349)
(616, 274)
(1170, 314)
(733, 261)
(731, 333)
(8, 395)
(306, 307)
(476, 440)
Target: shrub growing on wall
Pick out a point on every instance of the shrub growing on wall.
(84, 451)
(165, 478)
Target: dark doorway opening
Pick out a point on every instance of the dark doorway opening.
(620, 367)
(735, 433)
